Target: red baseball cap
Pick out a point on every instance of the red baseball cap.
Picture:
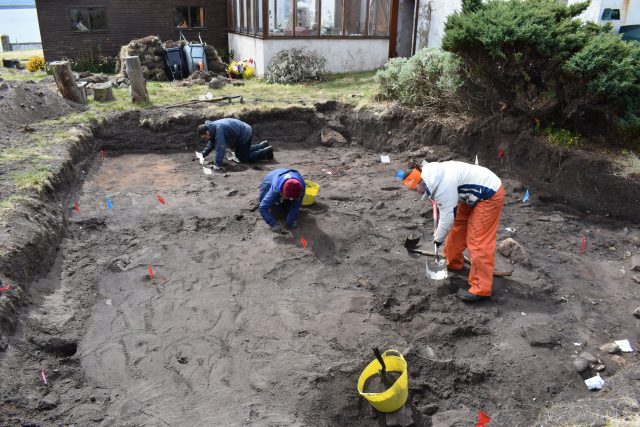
(291, 189)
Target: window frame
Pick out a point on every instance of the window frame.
(86, 8)
(234, 15)
(190, 28)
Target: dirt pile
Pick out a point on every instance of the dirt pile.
(150, 50)
(24, 103)
(151, 53)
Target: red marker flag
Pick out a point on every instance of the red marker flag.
(44, 377)
(500, 153)
(76, 207)
(483, 419)
(584, 243)
(303, 241)
(5, 288)
(101, 154)
(150, 273)
(160, 199)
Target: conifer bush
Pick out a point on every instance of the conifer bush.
(536, 57)
(432, 77)
(295, 66)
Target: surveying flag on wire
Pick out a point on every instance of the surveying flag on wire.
(303, 242)
(483, 419)
(160, 199)
(76, 207)
(150, 270)
(525, 199)
(109, 205)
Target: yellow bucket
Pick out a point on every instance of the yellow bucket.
(395, 396)
(310, 192)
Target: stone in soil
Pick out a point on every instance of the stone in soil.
(610, 348)
(4, 344)
(48, 402)
(619, 360)
(329, 137)
(580, 364)
(588, 357)
(514, 251)
(636, 312)
(540, 336)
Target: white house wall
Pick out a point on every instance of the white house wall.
(432, 15)
(343, 55)
(629, 12)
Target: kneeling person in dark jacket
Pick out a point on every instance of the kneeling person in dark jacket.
(236, 135)
(281, 187)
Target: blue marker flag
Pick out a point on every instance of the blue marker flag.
(525, 199)
(109, 206)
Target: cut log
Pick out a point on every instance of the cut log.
(102, 92)
(66, 82)
(138, 87)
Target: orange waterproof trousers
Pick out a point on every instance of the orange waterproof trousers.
(475, 229)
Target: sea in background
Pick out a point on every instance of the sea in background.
(20, 24)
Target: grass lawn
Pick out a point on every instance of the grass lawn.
(22, 55)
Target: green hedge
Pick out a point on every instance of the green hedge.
(535, 56)
(432, 77)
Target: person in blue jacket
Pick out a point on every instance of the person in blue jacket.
(236, 135)
(283, 187)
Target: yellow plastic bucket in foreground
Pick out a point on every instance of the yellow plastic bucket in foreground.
(395, 396)
(310, 192)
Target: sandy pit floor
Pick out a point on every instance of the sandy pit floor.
(242, 327)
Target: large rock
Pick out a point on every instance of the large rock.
(330, 137)
(48, 402)
(514, 251)
(610, 348)
(580, 364)
(541, 336)
(216, 83)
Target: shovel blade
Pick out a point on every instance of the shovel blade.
(436, 269)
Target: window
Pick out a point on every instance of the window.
(185, 17)
(610, 14)
(379, 17)
(85, 19)
(307, 18)
(331, 18)
(311, 18)
(355, 16)
(281, 17)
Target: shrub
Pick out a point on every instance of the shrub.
(537, 58)
(35, 63)
(431, 77)
(98, 63)
(295, 66)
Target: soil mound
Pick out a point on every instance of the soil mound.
(25, 103)
(151, 52)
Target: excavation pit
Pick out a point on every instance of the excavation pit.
(240, 326)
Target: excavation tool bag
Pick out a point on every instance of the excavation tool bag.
(195, 55)
(175, 63)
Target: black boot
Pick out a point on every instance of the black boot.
(268, 152)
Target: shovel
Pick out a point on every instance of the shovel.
(436, 267)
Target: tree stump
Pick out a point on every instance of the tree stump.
(102, 92)
(66, 82)
(138, 87)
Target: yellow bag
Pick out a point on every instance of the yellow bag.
(395, 396)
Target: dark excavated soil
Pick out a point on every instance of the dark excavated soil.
(241, 327)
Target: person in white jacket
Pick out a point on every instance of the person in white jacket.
(469, 199)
